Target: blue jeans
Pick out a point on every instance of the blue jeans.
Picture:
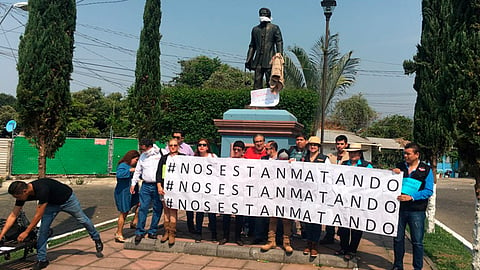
(416, 223)
(149, 194)
(72, 207)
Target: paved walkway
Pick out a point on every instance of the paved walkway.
(374, 253)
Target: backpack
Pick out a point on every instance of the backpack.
(18, 227)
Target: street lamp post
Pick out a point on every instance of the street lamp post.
(328, 7)
(20, 5)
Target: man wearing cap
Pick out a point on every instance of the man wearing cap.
(412, 206)
(273, 221)
(266, 40)
(350, 238)
(238, 149)
(341, 143)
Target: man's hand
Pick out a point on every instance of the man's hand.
(132, 189)
(22, 236)
(404, 198)
(248, 65)
(396, 170)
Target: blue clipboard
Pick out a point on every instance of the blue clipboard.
(410, 185)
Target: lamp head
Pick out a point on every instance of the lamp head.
(328, 6)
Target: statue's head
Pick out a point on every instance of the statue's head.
(265, 12)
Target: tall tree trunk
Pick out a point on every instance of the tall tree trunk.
(432, 202)
(42, 159)
(475, 172)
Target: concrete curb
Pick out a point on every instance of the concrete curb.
(238, 252)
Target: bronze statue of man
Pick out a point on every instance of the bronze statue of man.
(266, 40)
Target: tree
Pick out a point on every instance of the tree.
(463, 82)
(354, 114)
(6, 99)
(44, 69)
(89, 114)
(144, 98)
(7, 113)
(227, 77)
(393, 126)
(196, 71)
(308, 72)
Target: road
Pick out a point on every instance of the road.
(455, 204)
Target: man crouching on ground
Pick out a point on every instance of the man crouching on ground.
(52, 197)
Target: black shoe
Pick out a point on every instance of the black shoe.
(138, 238)
(239, 242)
(326, 240)
(98, 245)
(223, 241)
(40, 265)
(152, 236)
(99, 248)
(198, 237)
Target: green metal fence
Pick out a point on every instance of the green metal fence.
(77, 156)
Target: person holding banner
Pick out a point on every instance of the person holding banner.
(238, 149)
(341, 143)
(170, 215)
(273, 221)
(203, 150)
(350, 238)
(417, 187)
(313, 230)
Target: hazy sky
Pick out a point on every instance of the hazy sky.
(382, 33)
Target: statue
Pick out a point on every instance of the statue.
(266, 41)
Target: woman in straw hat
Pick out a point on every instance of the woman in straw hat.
(350, 238)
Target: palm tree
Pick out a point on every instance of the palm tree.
(305, 71)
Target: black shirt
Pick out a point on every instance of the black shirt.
(48, 190)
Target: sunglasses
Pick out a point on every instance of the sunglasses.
(268, 148)
(202, 145)
(177, 137)
(173, 145)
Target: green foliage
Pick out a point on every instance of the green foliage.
(44, 68)
(227, 77)
(393, 126)
(446, 251)
(196, 71)
(354, 114)
(6, 99)
(193, 110)
(301, 103)
(7, 113)
(144, 98)
(306, 71)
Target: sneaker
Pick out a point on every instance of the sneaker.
(40, 265)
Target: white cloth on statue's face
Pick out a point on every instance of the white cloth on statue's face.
(265, 19)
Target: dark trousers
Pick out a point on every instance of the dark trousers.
(239, 220)
(259, 74)
(212, 222)
(329, 232)
(349, 239)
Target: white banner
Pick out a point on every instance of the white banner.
(344, 196)
(264, 98)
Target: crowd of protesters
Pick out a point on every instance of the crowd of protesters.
(268, 232)
(140, 180)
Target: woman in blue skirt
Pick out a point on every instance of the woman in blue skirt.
(124, 200)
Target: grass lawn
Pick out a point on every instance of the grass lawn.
(446, 251)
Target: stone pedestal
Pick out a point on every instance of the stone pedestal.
(243, 124)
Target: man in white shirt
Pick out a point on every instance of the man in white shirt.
(146, 169)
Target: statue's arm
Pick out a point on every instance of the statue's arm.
(250, 52)
(278, 40)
